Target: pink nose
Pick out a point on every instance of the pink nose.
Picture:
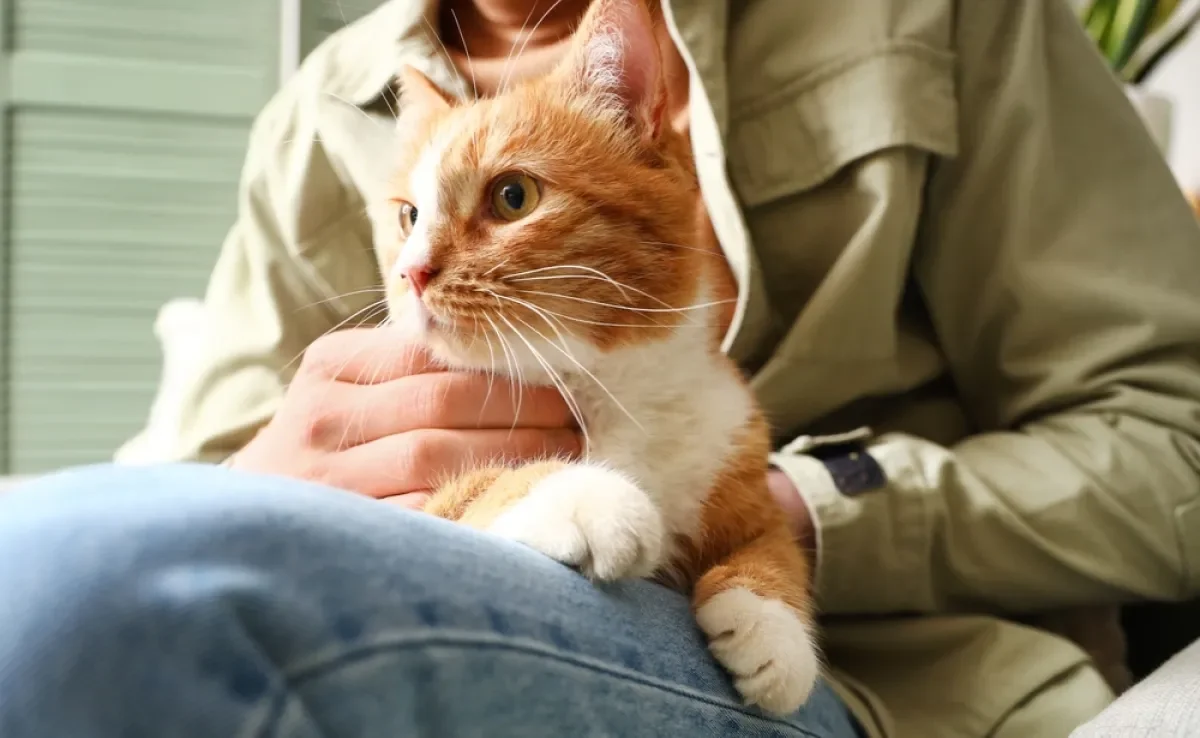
(419, 278)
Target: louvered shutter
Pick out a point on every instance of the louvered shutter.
(124, 125)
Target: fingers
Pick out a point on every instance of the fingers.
(420, 460)
(411, 500)
(364, 356)
(351, 415)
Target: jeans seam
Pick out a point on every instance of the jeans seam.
(296, 677)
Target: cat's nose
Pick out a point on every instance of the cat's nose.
(419, 277)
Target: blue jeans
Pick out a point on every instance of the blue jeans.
(196, 601)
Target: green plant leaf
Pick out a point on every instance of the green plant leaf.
(1099, 22)
(1135, 30)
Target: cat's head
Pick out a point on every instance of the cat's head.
(563, 210)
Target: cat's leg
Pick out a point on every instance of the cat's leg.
(755, 608)
(454, 497)
(494, 490)
(580, 514)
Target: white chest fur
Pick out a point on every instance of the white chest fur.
(688, 408)
(665, 411)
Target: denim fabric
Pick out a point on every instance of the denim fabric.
(196, 601)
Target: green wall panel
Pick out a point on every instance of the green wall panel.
(125, 125)
(111, 216)
(224, 33)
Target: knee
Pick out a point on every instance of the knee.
(96, 547)
(134, 590)
(122, 519)
(121, 543)
(99, 543)
(109, 550)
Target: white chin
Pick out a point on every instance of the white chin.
(411, 317)
(418, 325)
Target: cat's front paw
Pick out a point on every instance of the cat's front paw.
(765, 645)
(591, 518)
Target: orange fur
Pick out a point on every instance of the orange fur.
(620, 207)
(477, 497)
(745, 538)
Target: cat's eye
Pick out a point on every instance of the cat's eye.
(408, 217)
(514, 196)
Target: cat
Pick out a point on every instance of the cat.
(550, 234)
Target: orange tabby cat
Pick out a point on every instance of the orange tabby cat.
(549, 233)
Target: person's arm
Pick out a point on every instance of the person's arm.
(267, 298)
(1061, 269)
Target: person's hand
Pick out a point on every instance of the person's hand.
(788, 497)
(368, 412)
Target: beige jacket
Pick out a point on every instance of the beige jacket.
(948, 228)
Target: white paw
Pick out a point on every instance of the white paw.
(592, 518)
(765, 645)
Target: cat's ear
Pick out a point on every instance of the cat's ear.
(615, 53)
(418, 90)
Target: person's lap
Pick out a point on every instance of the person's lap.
(198, 601)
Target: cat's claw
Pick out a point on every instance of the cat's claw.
(765, 645)
(591, 518)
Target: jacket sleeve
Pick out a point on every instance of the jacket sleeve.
(266, 299)
(1061, 268)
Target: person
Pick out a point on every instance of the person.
(967, 300)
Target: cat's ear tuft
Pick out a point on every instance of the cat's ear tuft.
(616, 53)
(418, 90)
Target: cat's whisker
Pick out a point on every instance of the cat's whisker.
(528, 306)
(563, 341)
(466, 52)
(710, 252)
(688, 319)
(329, 385)
(512, 49)
(327, 300)
(585, 321)
(356, 108)
(491, 374)
(360, 417)
(601, 275)
(433, 32)
(342, 13)
(559, 383)
(554, 325)
(507, 77)
(470, 66)
(364, 314)
(686, 308)
(618, 285)
(591, 376)
(567, 353)
(371, 310)
(592, 270)
(514, 371)
(502, 263)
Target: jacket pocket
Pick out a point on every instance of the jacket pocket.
(792, 139)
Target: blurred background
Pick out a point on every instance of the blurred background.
(123, 124)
